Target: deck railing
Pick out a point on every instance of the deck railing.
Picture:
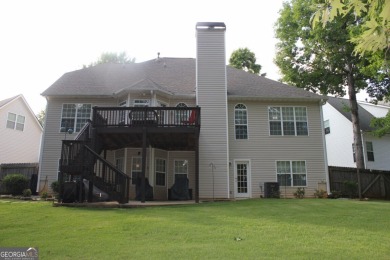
(146, 116)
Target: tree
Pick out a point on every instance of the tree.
(41, 117)
(112, 57)
(373, 15)
(321, 59)
(243, 58)
(381, 125)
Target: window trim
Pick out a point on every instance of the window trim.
(326, 127)
(16, 123)
(145, 103)
(291, 173)
(155, 172)
(174, 167)
(246, 119)
(281, 121)
(74, 127)
(371, 151)
(133, 180)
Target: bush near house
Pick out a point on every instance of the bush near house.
(15, 183)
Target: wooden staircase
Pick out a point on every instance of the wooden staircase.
(80, 159)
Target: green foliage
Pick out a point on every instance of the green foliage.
(351, 188)
(243, 58)
(41, 117)
(299, 193)
(320, 194)
(15, 183)
(373, 15)
(44, 195)
(55, 186)
(26, 193)
(381, 125)
(112, 57)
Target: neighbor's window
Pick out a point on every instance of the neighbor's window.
(181, 168)
(241, 121)
(326, 127)
(141, 102)
(15, 121)
(136, 169)
(75, 116)
(287, 121)
(370, 151)
(160, 172)
(291, 173)
(353, 153)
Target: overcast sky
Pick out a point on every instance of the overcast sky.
(42, 40)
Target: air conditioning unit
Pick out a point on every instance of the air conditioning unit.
(271, 190)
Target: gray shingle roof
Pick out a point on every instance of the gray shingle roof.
(6, 101)
(342, 105)
(170, 75)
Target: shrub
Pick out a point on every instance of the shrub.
(15, 183)
(26, 193)
(44, 195)
(335, 194)
(55, 186)
(300, 193)
(321, 194)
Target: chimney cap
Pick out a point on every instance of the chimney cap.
(210, 26)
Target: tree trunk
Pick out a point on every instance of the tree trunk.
(357, 137)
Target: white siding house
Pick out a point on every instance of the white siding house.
(251, 130)
(20, 132)
(339, 135)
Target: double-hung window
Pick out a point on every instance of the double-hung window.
(370, 151)
(241, 121)
(15, 121)
(181, 169)
(291, 173)
(287, 121)
(75, 116)
(136, 169)
(160, 172)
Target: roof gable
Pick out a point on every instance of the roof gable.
(343, 106)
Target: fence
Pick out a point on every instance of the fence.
(374, 183)
(30, 170)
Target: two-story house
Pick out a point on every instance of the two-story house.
(339, 135)
(20, 132)
(162, 121)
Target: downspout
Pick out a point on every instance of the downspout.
(323, 102)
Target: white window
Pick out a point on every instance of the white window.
(120, 160)
(287, 121)
(241, 121)
(291, 173)
(141, 102)
(160, 172)
(370, 151)
(326, 127)
(181, 168)
(136, 169)
(75, 116)
(15, 121)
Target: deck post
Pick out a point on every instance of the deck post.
(143, 164)
(197, 167)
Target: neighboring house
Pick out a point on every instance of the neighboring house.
(339, 135)
(20, 132)
(225, 130)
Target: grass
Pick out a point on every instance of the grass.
(248, 229)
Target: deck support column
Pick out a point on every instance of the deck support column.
(197, 167)
(143, 164)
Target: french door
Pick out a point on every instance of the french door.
(242, 177)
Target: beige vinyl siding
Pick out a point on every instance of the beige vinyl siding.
(264, 150)
(52, 138)
(19, 146)
(212, 98)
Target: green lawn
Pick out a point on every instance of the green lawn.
(250, 229)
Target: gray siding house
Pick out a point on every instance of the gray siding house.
(153, 124)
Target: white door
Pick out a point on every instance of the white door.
(242, 177)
